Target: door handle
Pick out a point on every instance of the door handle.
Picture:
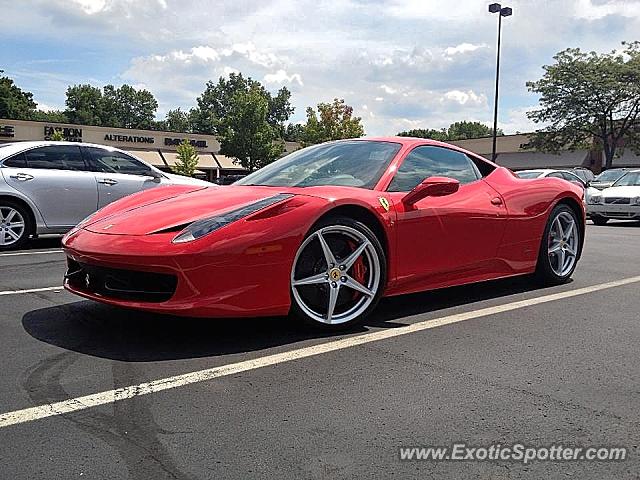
(107, 181)
(496, 201)
(23, 177)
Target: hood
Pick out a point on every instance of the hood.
(630, 192)
(177, 211)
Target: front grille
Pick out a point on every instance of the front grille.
(121, 284)
(618, 200)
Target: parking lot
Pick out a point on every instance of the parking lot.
(502, 362)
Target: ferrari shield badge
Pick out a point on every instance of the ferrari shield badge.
(384, 202)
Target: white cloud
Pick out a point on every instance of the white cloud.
(464, 98)
(414, 64)
(388, 89)
(281, 77)
(463, 48)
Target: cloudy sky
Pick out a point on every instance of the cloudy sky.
(401, 63)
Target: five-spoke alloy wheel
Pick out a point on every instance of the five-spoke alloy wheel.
(15, 225)
(338, 274)
(561, 246)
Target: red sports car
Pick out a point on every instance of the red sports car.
(325, 232)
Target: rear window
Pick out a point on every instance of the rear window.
(16, 161)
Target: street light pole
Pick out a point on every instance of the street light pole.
(502, 12)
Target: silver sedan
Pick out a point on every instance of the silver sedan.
(48, 187)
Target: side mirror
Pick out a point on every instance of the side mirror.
(155, 176)
(432, 187)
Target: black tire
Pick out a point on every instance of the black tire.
(545, 273)
(598, 220)
(299, 314)
(29, 225)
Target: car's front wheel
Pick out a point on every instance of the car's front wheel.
(338, 274)
(560, 247)
(15, 225)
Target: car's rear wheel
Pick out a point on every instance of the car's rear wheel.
(598, 220)
(15, 225)
(560, 247)
(338, 274)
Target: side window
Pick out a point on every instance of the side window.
(57, 157)
(429, 161)
(17, 161)
(556, 175)
(109, 161)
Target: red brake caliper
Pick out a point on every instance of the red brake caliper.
(358, 271)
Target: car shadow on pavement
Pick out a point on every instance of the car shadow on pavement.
(118, 334)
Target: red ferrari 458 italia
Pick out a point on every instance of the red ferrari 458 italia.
(325, 232)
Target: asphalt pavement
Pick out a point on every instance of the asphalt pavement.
(541, 371)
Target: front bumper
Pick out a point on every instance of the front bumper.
(620, 211)
(150, 273)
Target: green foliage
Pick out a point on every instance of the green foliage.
(464, 130)
(294, 132)
(178, 121)
(123, 107)
(53, 116)
(14, 102)
(589, 98)
(245, 132)
(430, 133)
(217, 101)
(85, 105)
(129, 108)
(187, 161)
(57, 136)
(456, 131)
(332, 121)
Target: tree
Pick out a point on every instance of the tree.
(294, 132)
(187, 161)
(587, 99)
(85, 105)
(15, 103)
(465, 130)
(332, 121)
(457, 131)
(216, 102)
(127, 107)
(177, 121)
(430, 133)
(123, 107)
(57, 136)
(245, 132)
(54, 116)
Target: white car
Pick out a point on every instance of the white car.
(548, 172)
(48, 187)
(621, 201)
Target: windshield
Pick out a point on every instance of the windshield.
(528, 174)
(631, 179)
(609, 176)
(347, 163)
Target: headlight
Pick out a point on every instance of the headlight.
(204, 227)
(636, 201)
(595, 200)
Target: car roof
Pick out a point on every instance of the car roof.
(9, 149)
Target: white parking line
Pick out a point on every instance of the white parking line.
(40, 252)
(30, 290)
(110, 396)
